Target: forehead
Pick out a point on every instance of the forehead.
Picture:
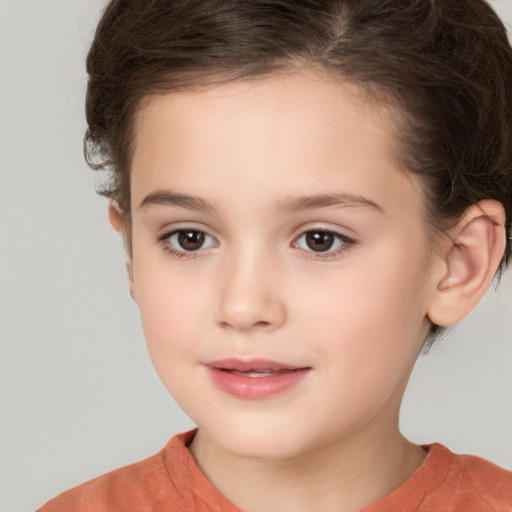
(294, 131)
(280, 99)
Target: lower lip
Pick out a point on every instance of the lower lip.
(256, 388)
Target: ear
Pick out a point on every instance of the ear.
(116, 220)
(469, 260)
(115, 216)
(129, 273)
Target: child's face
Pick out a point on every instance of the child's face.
(306, 248)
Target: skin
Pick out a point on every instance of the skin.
(356, 315)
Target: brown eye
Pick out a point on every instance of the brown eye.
(190, 240)
(319, 241)
(322, 241)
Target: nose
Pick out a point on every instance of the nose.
(250, 296)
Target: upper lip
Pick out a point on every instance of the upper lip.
(244, 365)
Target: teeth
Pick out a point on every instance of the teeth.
(256, 373)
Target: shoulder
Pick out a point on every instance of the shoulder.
(117, 490)
(143, 486)
(169, 481)
(490, 482)
(472, 483)
(448, 482)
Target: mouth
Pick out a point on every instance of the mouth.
(255, 379)
(256, 373)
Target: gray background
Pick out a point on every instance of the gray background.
(78, 393)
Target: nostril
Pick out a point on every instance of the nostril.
(261, 323)
(245, 307)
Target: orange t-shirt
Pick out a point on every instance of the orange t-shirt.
(170, 481)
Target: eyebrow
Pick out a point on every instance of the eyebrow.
(294, 204)
(289, 204)
(168, 198)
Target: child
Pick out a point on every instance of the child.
(308, 192)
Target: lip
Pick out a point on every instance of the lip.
(264, 379)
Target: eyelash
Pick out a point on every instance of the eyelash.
(347, 244)
(164, 240)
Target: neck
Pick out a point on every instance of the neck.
(342, 475)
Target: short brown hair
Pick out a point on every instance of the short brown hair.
(446, 65)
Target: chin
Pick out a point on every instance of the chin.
(261, 448)
(261, 441)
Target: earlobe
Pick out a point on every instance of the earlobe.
(471, 257)
(129, 273)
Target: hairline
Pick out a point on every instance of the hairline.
(375, 95)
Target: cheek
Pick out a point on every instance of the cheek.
(371, 318)
(170, 308)
(171, 321)
(174, 310)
